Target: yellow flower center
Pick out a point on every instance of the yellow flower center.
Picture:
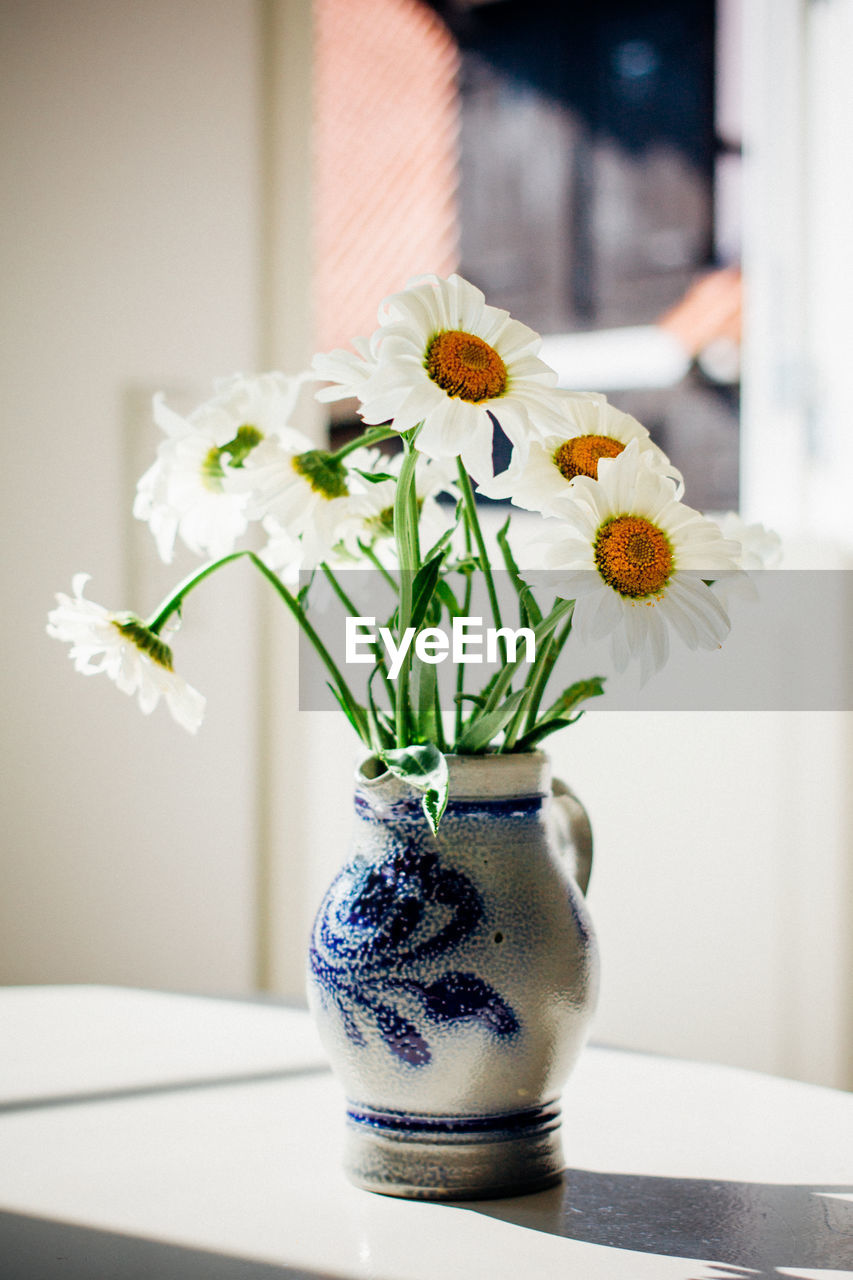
(464, 365)
(580, 455)
(633, 556)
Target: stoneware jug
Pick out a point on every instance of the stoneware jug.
(453, 978)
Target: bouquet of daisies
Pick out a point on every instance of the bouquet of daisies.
(613, 543)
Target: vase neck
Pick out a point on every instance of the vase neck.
(486, 777)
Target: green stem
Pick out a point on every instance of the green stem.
(414, 521)
(532, 684)
(552, 653)
(460, 667)
(353, 612)
(407, 556)
(373, 435)
(470, 506)
(371, 555)
(339, 591)
(357, 712)
(439, 723)
(546, 626)
(173, 602)
(377, 564)
(537, 679)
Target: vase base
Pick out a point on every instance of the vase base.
(443, 1158)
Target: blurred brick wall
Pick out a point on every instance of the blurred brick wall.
(385, 135)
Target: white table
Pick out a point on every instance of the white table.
(152, 1135)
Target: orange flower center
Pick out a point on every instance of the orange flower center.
(464, 365)
(633, 556)
(579, 456)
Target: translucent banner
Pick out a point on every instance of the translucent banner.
(787, 648)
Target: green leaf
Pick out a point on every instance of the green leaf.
(386, 721)
(351, 711)
(302, 594)
(577, 692)
(418, 764)
(498, 687)
(434, 804)
(532, 739)
(530, 611)
(374, 477)
(480, 732)
(466, 565)
(557, 716)
(442, 543)
(423, 588)
(424, 767)
(470, 697)
(426, 680)
(440, 739)
(448, 599)
(380, 736)
(486, 691)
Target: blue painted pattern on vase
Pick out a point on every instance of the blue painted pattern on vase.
(378, 932)
(452, 978)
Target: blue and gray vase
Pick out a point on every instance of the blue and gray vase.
(453, 978)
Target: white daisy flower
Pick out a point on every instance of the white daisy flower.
(305, 531)
(760, 547)
(539, 478)
(304, 493)
(188, 492)
(346, 372)
(282, 553)
(120, 644)
(634, 557)
(446, 359)
(183, 492)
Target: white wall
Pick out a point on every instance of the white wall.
(130, 262)
(719, 885)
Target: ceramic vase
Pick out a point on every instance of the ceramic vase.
(453, 978)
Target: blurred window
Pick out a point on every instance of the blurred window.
(564, 158)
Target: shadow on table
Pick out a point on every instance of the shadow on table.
(38, 1249)
(133, 1091)
(749, 1228)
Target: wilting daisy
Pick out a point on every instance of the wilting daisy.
(189, 490)
(539, 477)
(445, 359)
(634, 557)
(120, 645)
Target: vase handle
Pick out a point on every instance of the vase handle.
(574, 833)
